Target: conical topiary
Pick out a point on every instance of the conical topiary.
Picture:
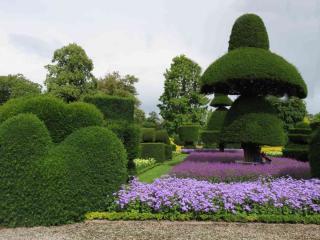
(250, 70)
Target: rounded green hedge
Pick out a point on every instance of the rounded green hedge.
(24, 142)
(314, 154)
(249, 31)
(252, 120)
(253, 71)
(189, 134)
(81, 174)
(220, 100)
(157, 151)
(209, 138)
(148, 134)
(60, 118)
(162, 136)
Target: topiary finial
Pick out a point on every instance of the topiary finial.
(249, 31)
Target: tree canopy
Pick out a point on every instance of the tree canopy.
(70, 74)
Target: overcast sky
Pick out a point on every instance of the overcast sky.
(141, 37)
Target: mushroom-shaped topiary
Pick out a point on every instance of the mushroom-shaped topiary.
(250, 70)
(220, 100)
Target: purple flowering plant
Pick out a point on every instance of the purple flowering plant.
(264, 196)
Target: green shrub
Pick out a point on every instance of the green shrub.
(249, 31)
(253, 71)
(168, 150)
(216, 119)
(298, 152)
(252, 120)
(189, 134)
(162, 136)
(24, 141)
(60, 118)
(220, 100)
(315, 125)
(209, 138)
(81, 174)
(130, 135)
(148, 134)
(113, 107)
(154, 150)
(314, 154)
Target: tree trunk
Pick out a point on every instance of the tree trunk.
(221, 147)
(252, 153)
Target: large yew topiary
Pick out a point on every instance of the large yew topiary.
(250, 70)
(314, 154)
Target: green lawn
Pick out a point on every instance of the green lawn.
(162, 169)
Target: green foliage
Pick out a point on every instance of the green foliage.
(189, 134)
(249, 31)
(253, 71)
(113, 107)
(209, 138)
(13, 86)
(24, 141)
(181, 101)
(154, 150)
(60, 118)
(220, 100)
(168, 151)
(69, 76)
(130, 135)
(314, 154)
(148, 134)
(216, 119)
(162, 136)
(298, 145)
(290, 111)
(225, 217)
(252, 120)
(80, 175)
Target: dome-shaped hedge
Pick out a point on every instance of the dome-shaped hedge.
(82, 173)
(253, 71)
(252, 120)
(24, 142)
(314, 154)
(249, 31)
(60, 118)
(220, 100)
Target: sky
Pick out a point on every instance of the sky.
(141, 37)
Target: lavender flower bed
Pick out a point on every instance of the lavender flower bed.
(222, 166)
(265, 196)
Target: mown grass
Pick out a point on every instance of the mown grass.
(161, 169)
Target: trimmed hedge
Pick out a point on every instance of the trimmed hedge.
(168, 150)
(162, 136)
(216, 119)
(81, 174)
(24, 142)
(113, 107)
(209, 138)
(298, 145)
(249, 31)
(220, 100)
(314, 154)
(130, 135)
(148, 134)
(154, 150)
(189, 134)
(252, 120)
(60, 118)
(253, 71)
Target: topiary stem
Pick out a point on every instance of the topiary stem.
(252, 152)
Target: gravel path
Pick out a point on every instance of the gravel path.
(165, 230)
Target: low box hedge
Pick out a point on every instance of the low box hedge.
(154, 150)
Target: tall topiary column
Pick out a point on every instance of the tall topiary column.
(215, 121)
(251, 70)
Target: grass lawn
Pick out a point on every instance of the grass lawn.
(161, 169)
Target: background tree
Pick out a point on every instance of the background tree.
(181, 102)
(70, 77)
(252, 71)
(153, 120)
(13, 86)
(290, 110)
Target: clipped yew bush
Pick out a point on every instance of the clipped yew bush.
(154, 150)
(314, 154)
(189, 134)
(24, 142)
(162, 136)
(148, 134)
(81, 174)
